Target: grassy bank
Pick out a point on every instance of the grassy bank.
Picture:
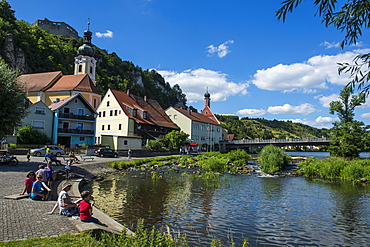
(334, 167)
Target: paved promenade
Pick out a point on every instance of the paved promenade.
(25, 218)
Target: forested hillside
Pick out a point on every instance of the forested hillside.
(33, 50)
(251, 128)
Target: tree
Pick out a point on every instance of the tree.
(28, 135)
(346, 105)
(347, 138)
(352, 18)
(176, 139)
(273, 159)
(12, 99)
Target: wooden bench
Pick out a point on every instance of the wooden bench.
(83, 158)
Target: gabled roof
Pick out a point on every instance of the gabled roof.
(82, 83)
(57, 105)
(155, 113)
(209, 114)
(196, 116)
(39, 81)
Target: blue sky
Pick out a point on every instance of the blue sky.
(252, 64)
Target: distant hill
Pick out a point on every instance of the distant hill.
(251, 128)
(33, 50)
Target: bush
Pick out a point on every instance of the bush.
(215, 165)
(273, 159)
(354, 172)
(239, 155)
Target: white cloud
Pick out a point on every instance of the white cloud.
(108, 34)
(251, 112)
(319, 122)
(329, 45)
(303, 109)
(366, 115)
(315, 73)
(325, 100)
(194, 82)
(221, 50)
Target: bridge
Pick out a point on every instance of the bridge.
(246, 144)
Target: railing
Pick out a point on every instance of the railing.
(73, 116)
(75, 131)
(292, 140)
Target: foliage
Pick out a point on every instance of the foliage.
(44, 52)
(336, 167)
(349, 17)
(215, 165)
(345, 107)
(251, 128)
(12, 99)
(176, 139)
(238, 155)
(273, 159)
(348, 139)
(155, 145)
(28, 135)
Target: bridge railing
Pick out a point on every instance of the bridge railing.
(287, 140)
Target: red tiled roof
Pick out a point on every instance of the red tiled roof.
(39, 81)
(155, 113)
(197, 116)
(82, 83)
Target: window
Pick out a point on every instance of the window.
(95, 103)
(107, 103)
(100, 114)
(80, 68)
(82, 138)
(218, 129)
(174, 116)
(65, 125)
(125, 142)
(102, 127)
(145, 114)
(134, 112)
(80, 126)
(66, 110)
(111, 113)
(119, 126)
(108, 127)
(38, 124)
(119, 112)
(81, 112)
(91, 69)
(40, 110)
(115, 112)
(170, 116)
(76, 101)
(103, 113)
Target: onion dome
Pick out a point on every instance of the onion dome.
(86, 48)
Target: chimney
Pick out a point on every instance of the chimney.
(128, 92)
(145, 98)
(189, 111)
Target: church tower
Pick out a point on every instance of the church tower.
(207, 99)
(85, 63)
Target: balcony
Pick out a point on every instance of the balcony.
(76, 131)
(73, 116)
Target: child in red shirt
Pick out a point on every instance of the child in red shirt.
(86, 209)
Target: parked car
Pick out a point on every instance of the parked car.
(54, 150)
(106, 152)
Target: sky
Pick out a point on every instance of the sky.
(252, 64)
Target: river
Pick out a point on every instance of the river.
(268, 211)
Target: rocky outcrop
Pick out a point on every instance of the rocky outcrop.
(14, 56)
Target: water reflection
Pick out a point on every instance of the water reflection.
(268, 211)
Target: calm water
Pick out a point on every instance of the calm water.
(269, 211)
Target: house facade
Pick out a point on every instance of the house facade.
(126, 121)
(73, 122)
(203, 128)
(40, 117)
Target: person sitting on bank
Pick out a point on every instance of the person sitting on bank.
(54, 159)
(66, 206)
(43, 172)
(28, 182)
(39, 190)
(86, 209)
(73, 158)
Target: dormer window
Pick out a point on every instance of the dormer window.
(134, 112)
(145, 114)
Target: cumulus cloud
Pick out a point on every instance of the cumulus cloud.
(319, 122)
(325, 100)
(329, 45)
(366, 115)
(107, 34)
(251, 112)
(221, 50)
(194, 82)
(315, 73)
(303, 109)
